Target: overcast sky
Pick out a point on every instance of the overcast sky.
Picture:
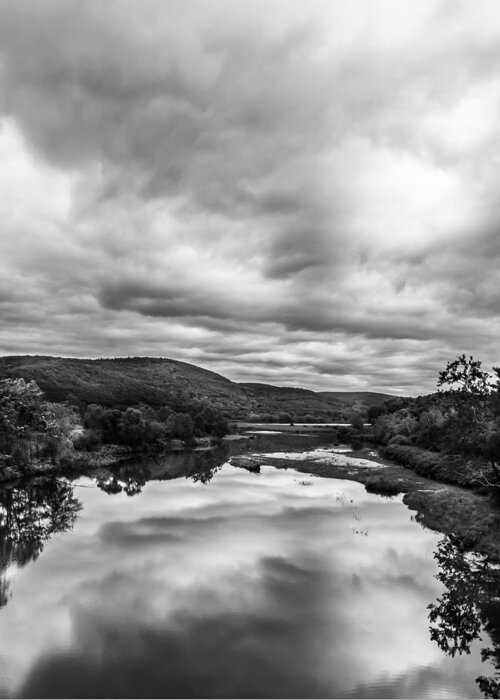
(302, 192)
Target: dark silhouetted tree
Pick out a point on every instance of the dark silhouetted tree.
(469, 418)
(468, 605)
(29, 516)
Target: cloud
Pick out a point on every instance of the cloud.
(177, 170)
(145, 612)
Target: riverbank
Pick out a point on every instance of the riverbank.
(106, 456)
(466, 513)
(472, 517)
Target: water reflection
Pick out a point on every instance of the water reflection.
(253, 587)
(129, 479)
(214, 582)
(469, 604)
(197, 465)
(29, 515)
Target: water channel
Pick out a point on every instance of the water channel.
(189, 577)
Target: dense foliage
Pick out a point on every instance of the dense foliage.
(29, 426)
(34, 430)
(453, 434)
(145, 425)
(461, 420)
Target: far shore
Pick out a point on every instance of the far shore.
(291, 427)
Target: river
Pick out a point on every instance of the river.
(210, 581)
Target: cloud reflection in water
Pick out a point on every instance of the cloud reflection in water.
(251, 586)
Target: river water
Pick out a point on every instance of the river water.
(221, 584)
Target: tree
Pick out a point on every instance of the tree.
(183, 427)
(26, 421)
(465, 377)
(469, 603)
(429, 431)
(105, 421)
(469, 418)
(493, 439)
(391, 425)
(357, 422)
(29, 515)
(204, 477)
(20, 408)
(455, 623)
(375, 412)
(132, 427)
(208, 420)
(129, 480)
(496, 393)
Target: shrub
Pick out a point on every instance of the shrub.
(356, 444)
(400, 440)
(357, 422)
(183, 427)
(382, 485)
(88, 441)
(452, 469)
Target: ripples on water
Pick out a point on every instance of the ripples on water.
(226, 584)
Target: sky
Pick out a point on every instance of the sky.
(297, 192)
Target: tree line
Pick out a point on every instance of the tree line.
(32, 428)
(460, 420)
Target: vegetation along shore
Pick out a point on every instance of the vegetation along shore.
(441, 450)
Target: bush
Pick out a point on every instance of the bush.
(382, 485)
(208, 420)
(424, 462)
(452, 469)
(49, 448)
(145, 425)
(105, 421)
(88, 441)
(400, 440)
(183, 427)
(357, 422)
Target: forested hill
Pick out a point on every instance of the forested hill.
(367, 398)
(122, 382)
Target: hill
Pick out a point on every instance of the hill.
(367, 398)
(122, 382)
(291, 402)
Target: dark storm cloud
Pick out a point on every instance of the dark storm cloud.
(171, 104)
(215, 120)
(193, 175)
